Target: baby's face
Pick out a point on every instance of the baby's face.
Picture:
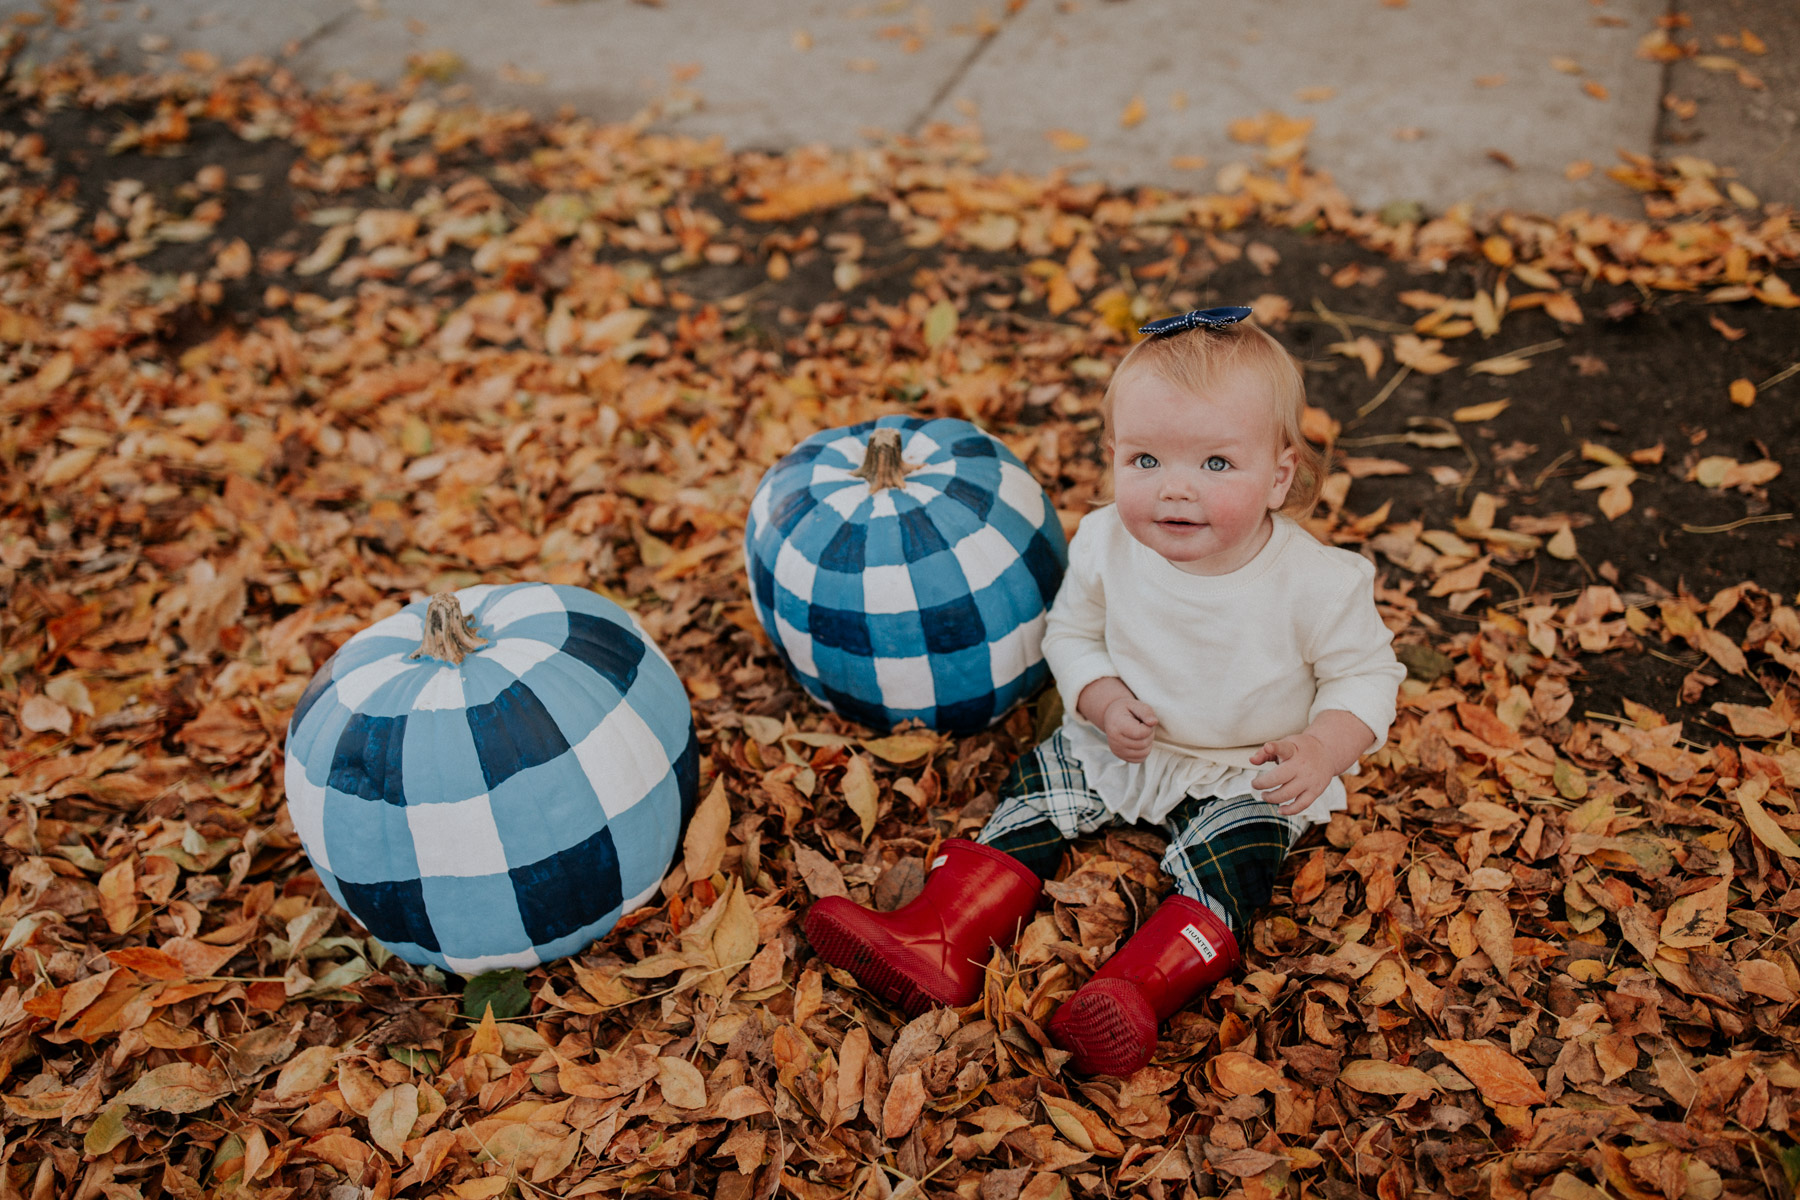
(1195, 477)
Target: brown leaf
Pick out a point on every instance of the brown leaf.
(1494, 931)
(304, 1074)
(118, 895)
(1498, 1076)
(149, 962)
(905, 1101)
(681, 1082)
(1695, 919)
(1749, 798)
(392, 1117)
(178, 1087)
(820, 873)
(1385, 1078)
(1238, 1074)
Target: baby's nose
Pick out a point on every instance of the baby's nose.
(1179, 485)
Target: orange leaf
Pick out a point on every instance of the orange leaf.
(1497, 1075)
(148, 961)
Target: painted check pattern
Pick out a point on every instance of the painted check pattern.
(924, 601)
(1224, 853)
(501, 812)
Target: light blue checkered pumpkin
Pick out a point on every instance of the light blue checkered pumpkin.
(494, 790)
(903, 568)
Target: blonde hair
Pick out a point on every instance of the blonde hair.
(1195, 362)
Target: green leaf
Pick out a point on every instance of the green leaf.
(1790, 1163)
(505, 990)
(940, 323)
(1424, 663)
(426, 1061)
(107, 1131)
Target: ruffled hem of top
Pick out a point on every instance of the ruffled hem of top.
(1150, 790)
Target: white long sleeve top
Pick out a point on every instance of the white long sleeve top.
(1228, 662)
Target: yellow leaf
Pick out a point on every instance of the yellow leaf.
(1562, 544)
(1606, 455)
(1743, 393)
(902, 747)
(1500, 364)
(1067, 140)
(1134, 113)
(487, 1035)
(703, 846)
(1066, 1122)
(1422, 354)
(734, 941)
(1481, 412)
(1615, 501)
(940, 323)
(1605, 477)
(860, 793)
(1749, 798)
(1082, 1126)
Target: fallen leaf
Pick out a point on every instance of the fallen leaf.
(177, 1087)
(1498, 1077)
(1386, 1078)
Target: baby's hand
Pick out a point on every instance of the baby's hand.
(1130, 725)
(1301, 772)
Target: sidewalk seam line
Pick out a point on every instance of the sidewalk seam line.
(962, 69)
(302, 45)
(1661, 130)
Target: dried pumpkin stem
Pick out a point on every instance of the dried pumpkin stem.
(882, 465)
(447, 632)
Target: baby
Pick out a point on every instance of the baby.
(1219, 670)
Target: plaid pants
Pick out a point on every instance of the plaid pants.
(1223, 853)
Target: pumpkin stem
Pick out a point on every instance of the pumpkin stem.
(882, 465)
(447, 632)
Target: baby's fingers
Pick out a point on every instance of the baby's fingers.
(1298, 804)
(1273, 778)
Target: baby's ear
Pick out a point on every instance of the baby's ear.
(1287, 465)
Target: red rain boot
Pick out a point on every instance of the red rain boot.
(930, 952)
(1110, 1025)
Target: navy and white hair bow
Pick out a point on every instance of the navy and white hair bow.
(1205, 318)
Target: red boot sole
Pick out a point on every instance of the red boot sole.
(1108, 1026)
(876, 962)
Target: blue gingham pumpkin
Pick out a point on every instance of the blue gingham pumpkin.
(925, 598)
(504, 809)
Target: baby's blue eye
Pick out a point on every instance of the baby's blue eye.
(1143, 461)
(1216, 463)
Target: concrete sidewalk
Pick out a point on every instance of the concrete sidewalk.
(1494, 102)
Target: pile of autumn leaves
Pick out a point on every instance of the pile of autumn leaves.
(1542, 950)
